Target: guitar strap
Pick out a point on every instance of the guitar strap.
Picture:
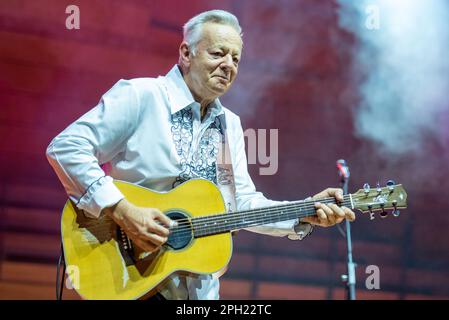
(225, 174)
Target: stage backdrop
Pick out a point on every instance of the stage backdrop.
(298, 75)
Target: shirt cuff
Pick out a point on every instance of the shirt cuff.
(101, 194)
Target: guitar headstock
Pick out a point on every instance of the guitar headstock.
(392, 197)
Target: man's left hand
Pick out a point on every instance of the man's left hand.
(329, 214)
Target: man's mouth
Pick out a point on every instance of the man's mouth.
(222, 77)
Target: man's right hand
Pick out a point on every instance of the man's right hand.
(148, 228)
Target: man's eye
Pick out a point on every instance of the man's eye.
(216, 54)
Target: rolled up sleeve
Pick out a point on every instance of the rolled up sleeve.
(78, 152)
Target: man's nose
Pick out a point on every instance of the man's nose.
(227, 62)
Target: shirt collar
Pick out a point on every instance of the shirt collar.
(180, 96)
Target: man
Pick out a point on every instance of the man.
(160, 132)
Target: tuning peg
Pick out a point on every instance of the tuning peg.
(396, 212)
(371, 213)
(366, 188)
(383, 213)
(378, 188)
(390, 185)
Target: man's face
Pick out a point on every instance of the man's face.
(214, 66)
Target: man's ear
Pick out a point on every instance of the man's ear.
(184, 54)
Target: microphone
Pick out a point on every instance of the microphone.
(343, 169)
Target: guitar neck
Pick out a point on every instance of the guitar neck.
(220, 223)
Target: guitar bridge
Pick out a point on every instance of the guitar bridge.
(125, 246)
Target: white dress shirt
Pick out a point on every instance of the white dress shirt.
(149, 131)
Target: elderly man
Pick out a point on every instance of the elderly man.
(158, 133)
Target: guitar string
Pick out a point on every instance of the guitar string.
(184, 228)
(305, 204)
(289, 215)
(237, 215)
(220, 218)
(256, 218)
(217, 230)
(240, 214)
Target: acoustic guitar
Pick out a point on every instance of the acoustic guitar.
(103, 263)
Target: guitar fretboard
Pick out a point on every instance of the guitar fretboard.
(225, 222)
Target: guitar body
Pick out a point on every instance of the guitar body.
(101, 264)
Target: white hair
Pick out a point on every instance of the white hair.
(193, 28)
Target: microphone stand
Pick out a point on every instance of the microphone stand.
(349, 278)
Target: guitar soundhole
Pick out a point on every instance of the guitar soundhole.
(181, 235)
